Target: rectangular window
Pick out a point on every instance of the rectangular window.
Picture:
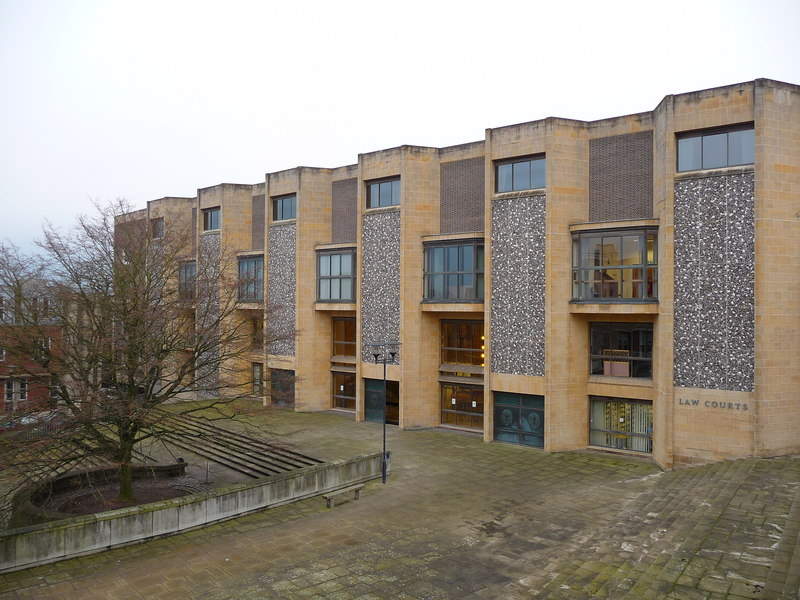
(157, 228)
(23, 389)
(258, 379)
(615, 265)
(621, 424)
(336, 276)
(2, 353)
(187, 275)
(344, 336)
(520, 174)
(251, 279)
(383, 193)
(519, 419)
(463, 342)
(716, 148)
(344, 390)
(462, 406)
(454, 272)
(621, 349)
(211, 219)
(284, 207)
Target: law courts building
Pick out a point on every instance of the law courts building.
(630, 284)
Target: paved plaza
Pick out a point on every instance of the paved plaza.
(464, 519)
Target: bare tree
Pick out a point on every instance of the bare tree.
(139, 327)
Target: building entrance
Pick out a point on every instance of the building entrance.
(373, 401)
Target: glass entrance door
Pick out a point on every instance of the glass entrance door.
(462, 406)
(373, 401)
(344, 390)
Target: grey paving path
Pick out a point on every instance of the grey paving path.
(464, 519)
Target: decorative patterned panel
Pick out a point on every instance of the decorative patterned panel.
(518, 285)
(281, 290)
(714, 322)
(621, 177)
(380, 282)
(462, 190)
(343, 218)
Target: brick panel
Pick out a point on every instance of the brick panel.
(621, 177)
(257, 231)
(343, 218)
(461, 207)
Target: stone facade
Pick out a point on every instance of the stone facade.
(380, 281)
(281, 289)
(715, 282)
(723, 381)
(518, 285)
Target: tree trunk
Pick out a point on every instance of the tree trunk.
(126, 477)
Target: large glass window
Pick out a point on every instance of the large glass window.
(284, 207)
(336, 276)
(211, 219)
(344, 336)
(519, 419)
(621, 424)
(621, 349)
(717, 148)
(157, 228)
(462, 406)
(383, 193)
(454, 272)
(462, 342)
(251, 279)
(520, 174)
(187, 275)
(615, 265)
(344, 390)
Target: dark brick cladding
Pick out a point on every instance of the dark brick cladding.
(343, 200)
(621, 177)
(462, 196)
(257, 230)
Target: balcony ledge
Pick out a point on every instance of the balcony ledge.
(452, 307)
(614, 308)
(334, 306)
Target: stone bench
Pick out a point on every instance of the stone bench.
(331, 496)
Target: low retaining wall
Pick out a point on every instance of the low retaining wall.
(49, 542)
(27, 502)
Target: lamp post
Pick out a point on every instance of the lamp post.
(378, 356)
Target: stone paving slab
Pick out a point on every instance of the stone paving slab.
(463, 519)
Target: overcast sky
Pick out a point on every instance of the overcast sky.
(140, 100)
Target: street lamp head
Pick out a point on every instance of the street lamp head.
(392, 354)
(376, 355)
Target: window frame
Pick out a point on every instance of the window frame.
(396, 189)
(334, 341)
(210, 215)
(187, 287)
(479, 248)
(703, 133)
(580, 284)
(533, 158)
(157, 227)
(628, 327)
(329, 277)
(480, 353)
(618, 433)
(279, 207)
(256, 281)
